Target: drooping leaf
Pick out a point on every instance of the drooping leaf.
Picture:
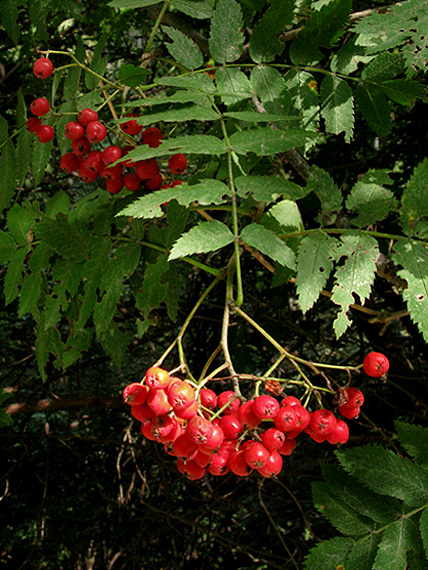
(387, 473)
(337, 106)
(403, 91)
(415, 202)
(178, 115)
(413, 257)
(202, 238)
(204, 193)
(268, 243)
(115, 343)
(346, 60)
(283, 217)
(423, 525)
(7, 246)
(14, 273)
(41, 156)
(98, 64)
(264, 41)
(183, 49)
(198, 83)
(371, 201)
(363, 555)
(72, 79)
(235, 83)
(23, 150)
(314, 265)
(9, 16)
(355, 276)
(226, 38)
(383, 67)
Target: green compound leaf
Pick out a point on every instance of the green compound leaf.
(270, 86)
(7, 246)
(322, 184)
(264, 41)
(363, 555)
(131, 75)
(413, 257)
(41, 156)
(414, 439)
(199, 83)
(369, 199)
(226, 38)
(233, 82)
(304, 108)
(337, 106)
(115, 343)
(19, 223)
(314, 265)
(183, 49)
(355, 276)
(386, 473)
(200, 9)
(203, 238)
(403, 91)
(265, 141)
(268, 243)
(13, 276)
(8, 174)
(415, 202)
(423, 525)
(204, 193)
(268, 188)
(374, 107)
(329, 554)
(9, 16)
(180, 115)
(398, 538)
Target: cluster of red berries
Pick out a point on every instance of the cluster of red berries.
(89, 163)
(216, 433)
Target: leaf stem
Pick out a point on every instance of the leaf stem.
(156, 26)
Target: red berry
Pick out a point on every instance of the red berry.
(142, 413)
(355, 398)
(256, 454)
(218, 465)
(183, 447)
(74, 130)
(112, 172)
(158, 401)
(162, 425)
(33, 124)
(152, 137)
(86, 116)
(231, 426)
(349, 413)
(131, 127)
(340, 434)
(177, 163)
(95, 131)
(190, 469)
(94, 161)
(85, 174)
(69, 162)
(238, 464)
(157, 378)
(265, 407)
(273, 439)
(286, 419)
(288, 447)
(214, 440)
(199, 430)
(188, 412)
(180, 394)
(131, 181)
(111, 154)
(322, 422)
(376, 364)
(40, 106)
(146, 169)
(228, 399)
(81, 146)
(135, 394)
(273, 465)
(208, 398)
(114, 185)
(43, 68)
(45, 133)
(153, 183)
(246, 415)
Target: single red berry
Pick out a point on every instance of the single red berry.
(162, 425)
(231, 426)
(135, 394)
(256, 454)
(131, 127)
(246, 415)
(114, 185)
(273, 439)
(45, 133)
(265, 407)
(111, 154)
(81, 146)
(177, 163)
(157, 378)
(287, 447)
(190, 469)
(208, 398)
(184, 448)
(340, 434)
(85, 174)
(40, 106)
(180, 394)
(376, 364)
(199, 430)
(355, 398)
(349, 413)
(95, 131)
(69, 162)
(43, 68)
(153, 183)
(94, 161)
(218, 464)
(112, 172)
(157, 399)
(142, 413)
(318, 437)
(273, 466)
(86, 116)
(214, 440)
(152, 137)
(188, 412)
(146, 169)
(228, 401)
(74, 130)
(286, 419)
(238, 464)
(322, 422)
(33, 124)
(131, 181)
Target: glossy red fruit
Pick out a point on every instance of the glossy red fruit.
(256, 454)
(183, 447)
(128, 163)
(214, 440)
(218, 465)
(81, 146)
(286, 419)
(273, 466)
(162, 425)
(266, 407)
(273, 439)
(157, 378)
(69, 162)
(322, 422)
(86, 116)
(135, 394)
(74, 130)
(152, 137)
(40, 106)
(191, 469)
(111, 154)
(112, 172)
(45, 133)
(95, 131)
(33, 124)
(340, 434)
(146, 169)
(188, 412)
(319, 438)
(158, 401)
(180, 394)
(228, 400)
(142, 413)
(43, 68)
(85, 174)
(287, 447)
(131, 127)
(199, 430)
(355, 398)
(153, 183)
(376, 364)
(94, 161)
(246, 415)
(177, 163)
(349, 413)
(208, 398)
(231, 426)
(114, 186)
(132, 182)
(238, 464)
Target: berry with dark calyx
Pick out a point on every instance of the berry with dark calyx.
(114, 185)
(95, 131)
(214, 440)
(73, 130)
(246, 415)
(199, 430)
(177, 163)
(161, 425)
(228, 398)
(273, 439)
(340, 434)
(355, 398)
(286, 419)
(93, 161)
(33, 124)
(69, 162)
(86, 116)
(183, 447)
(132, 182)
(153, 183)
(146, 169)
(131, 127)
(45, 133)
(273, 465)
(111, 154)
(40, 106)
(135, 394)
(85, 174)
(376, 364)
(157, 378)
(180, 394)
(319, 438)
(152, 137)
(218, 464)
(112, 172)
(322, 422)
(349, 413)
(43, 68)
(256, 454)
(81, 146)
(202, 459)
(265, 407)
(188, 412)
(238, 464)
(191, 469)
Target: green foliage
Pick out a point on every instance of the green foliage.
(378, 499)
